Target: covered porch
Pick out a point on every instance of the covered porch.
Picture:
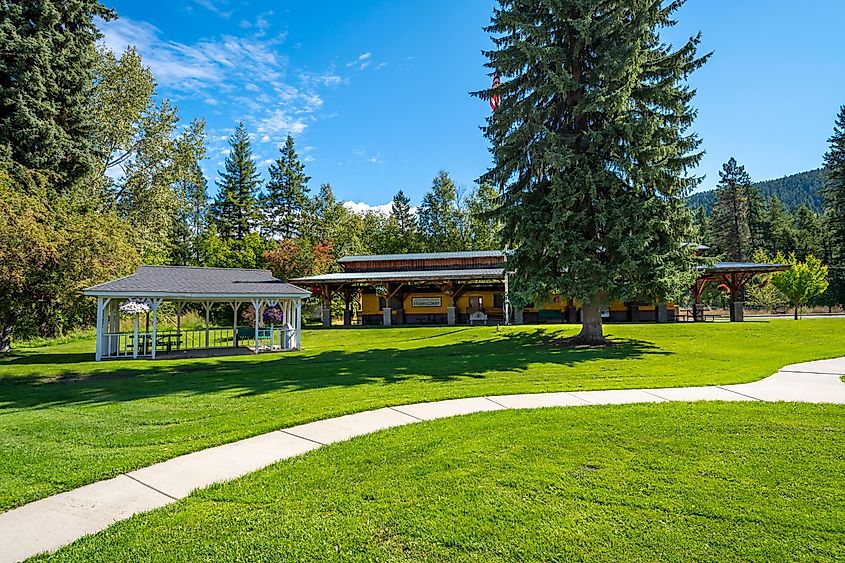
(275, 322)
(732, 277)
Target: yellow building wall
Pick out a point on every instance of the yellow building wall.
(370, 303)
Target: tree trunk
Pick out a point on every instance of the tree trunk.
(796, 312)
(6, 337)
(591, 333)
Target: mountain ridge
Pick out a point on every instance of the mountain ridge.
(793, 190)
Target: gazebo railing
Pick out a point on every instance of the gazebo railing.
(122, 344)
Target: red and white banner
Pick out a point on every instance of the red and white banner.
(495, 100)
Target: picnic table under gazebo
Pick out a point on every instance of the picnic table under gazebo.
(147, 289)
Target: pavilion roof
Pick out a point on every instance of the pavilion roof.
(743, 267)
(423, 256)
(477, 274)
(193, 282)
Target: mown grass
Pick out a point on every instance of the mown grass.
(666, 482)
(66, 421)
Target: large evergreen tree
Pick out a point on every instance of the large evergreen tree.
(439, 216)
(401, 226)
(287, 194)
(46, 75)
(236, 212)
(834, 197)
(731, 213)
(592, 149)
(778, 228)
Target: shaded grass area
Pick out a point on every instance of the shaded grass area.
(66, 421)
(659, 482)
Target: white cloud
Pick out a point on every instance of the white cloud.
(215, 7)
(278, 124)
(360, 207)
(243, 77)
(363, 61)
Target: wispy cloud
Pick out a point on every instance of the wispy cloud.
(241, 77)
(363, 61)
(216, 6)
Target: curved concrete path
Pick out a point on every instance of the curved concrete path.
(50, 523)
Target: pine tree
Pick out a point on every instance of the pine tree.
(834, 198)
(235, 211)
(731, 212)
(439, 216)
(46, 76)
(779, 228)
(402, 225)
(287, 194)
(809, 232)
(592, 150)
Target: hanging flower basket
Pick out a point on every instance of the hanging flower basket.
(273, 315)
(134, 308)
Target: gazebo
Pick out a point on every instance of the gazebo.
(733, 276)
(150, 286)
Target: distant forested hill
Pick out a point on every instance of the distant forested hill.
(804, 187)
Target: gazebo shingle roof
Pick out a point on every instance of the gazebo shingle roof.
(178, 280)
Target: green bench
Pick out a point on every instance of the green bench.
(249, 333)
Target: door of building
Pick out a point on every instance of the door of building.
(476, 304)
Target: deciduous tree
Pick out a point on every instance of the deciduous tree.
(802, 282)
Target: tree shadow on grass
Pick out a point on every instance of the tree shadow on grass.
(256, 375)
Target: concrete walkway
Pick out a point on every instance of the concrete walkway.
(48, 524)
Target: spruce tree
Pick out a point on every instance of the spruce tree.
(235, 211)
(403, 223)
(287, 194)
(46, 75)
(731, 212)
(439, 216)
(592, 150)
(834, 198)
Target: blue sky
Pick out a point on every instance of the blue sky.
(376, 93)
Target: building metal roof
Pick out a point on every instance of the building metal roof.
(187, 281)
(737, 267)
(423, 256)
(406, 276)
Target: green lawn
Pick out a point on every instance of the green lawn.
(66, 421)
(667, 482)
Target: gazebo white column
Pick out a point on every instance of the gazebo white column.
(256, 305)
(298, 324)
(235, 306)
(155, 303)
(102, 303)
(178, 305)
(207, 306)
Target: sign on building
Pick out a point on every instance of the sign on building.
(426, 301)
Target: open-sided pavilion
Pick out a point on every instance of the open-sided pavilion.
(154, 285)
(733, 277)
